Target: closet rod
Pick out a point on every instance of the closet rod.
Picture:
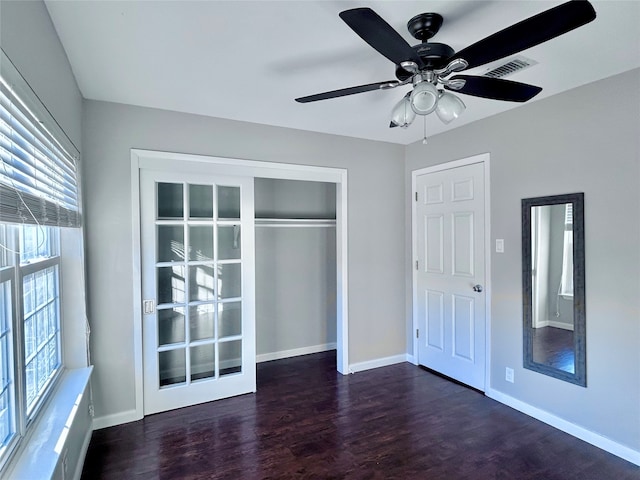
(295, 222)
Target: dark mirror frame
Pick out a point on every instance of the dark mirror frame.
(579, 312)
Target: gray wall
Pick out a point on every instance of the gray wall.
(295, 288)
(277, 198)
(585, 140)
(375, 233)
(295, 267)
(30, 40)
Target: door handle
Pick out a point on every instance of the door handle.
(148, 307)
(477, 288)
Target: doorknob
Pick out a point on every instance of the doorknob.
(477, 288)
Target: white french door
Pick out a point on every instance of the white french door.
(197, 253)
(449, 283)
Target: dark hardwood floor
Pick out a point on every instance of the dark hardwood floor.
(309, 422)
(554, 347)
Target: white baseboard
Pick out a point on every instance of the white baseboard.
(556, 324)
(582, 433)
(412, 359)
(296, 352)
(377, 363)
(562, 325)
(115, 419)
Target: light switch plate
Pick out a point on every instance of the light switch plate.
(499, 245)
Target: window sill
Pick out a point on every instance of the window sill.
(56, 445)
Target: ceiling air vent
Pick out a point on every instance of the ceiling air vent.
(510, 67)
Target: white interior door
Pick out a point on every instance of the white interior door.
(197, 244)
(451, 273)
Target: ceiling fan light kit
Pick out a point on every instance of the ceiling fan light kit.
(402, 114)
(449, 107)
(424, 97)
(428, 65)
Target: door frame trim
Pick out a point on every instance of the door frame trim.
(485, 159)
(158, 160)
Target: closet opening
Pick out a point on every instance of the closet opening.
(295, 274)
(312, 202)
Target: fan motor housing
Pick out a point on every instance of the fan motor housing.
(434, 55)
(424, 25)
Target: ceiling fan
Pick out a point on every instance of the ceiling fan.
(428, 65)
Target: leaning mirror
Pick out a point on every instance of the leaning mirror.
(553, 286)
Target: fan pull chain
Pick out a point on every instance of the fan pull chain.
(424, 139)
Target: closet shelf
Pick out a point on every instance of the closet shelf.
(295, 222)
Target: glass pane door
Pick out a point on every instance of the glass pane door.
(198, 271)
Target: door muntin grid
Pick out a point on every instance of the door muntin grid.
(198, 267)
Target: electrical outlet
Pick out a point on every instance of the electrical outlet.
(508, 374)
(499, 245)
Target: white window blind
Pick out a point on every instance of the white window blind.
(38, 168)
(568, 216)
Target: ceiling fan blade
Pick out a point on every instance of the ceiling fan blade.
(380, 35)
(528, 33)
(347, 91)
(496, 88)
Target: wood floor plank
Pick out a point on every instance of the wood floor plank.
(309, 422)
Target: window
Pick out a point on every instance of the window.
(7, 322)
(566, 279)
(38, 201)
(39, 270)
(30, 319)
(7, 419)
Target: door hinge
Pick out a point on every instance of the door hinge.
(416, 196)
(417, 333)
(416, 264)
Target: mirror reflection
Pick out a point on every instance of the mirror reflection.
(553, 286)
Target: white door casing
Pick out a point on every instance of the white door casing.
(142, 160)
(198, 283)
(449, 248)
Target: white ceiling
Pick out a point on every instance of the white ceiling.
(248, 60)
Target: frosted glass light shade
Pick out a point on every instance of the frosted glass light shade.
(402, 115)
(424, 98)
(449, 107)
